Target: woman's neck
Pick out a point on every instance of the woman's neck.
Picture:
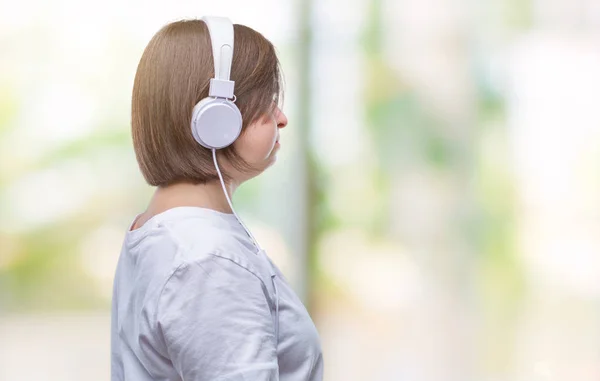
(209, 195)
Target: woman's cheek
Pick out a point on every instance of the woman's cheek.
(267, 144)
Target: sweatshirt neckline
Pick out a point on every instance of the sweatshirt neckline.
(183, 212)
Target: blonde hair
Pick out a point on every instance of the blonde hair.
(172, 76)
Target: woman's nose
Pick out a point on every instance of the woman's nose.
(282, 120)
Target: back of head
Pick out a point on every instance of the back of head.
(172, 76)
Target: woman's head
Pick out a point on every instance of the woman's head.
(173, 75)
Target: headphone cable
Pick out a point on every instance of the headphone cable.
(214, 154)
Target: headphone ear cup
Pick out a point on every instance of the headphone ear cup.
(216, 123)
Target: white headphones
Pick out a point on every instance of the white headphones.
(216, 120)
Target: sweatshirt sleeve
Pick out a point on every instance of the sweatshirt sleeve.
(216, 322)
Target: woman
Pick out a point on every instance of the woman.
(194, 296)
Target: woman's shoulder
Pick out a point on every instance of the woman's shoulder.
(202, 242)
(186, 236)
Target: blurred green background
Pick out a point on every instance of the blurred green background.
(436, 202)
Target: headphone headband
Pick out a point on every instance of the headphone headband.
(221, 39)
